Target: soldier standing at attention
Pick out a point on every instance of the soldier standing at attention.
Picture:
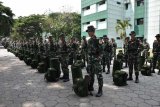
(94, 60)
(84, 50)
(73, 47)
(114, 47)
(146, 48)
(133, 51)
(156, 53)
(107, 48)
(63, 49)
(125, 46)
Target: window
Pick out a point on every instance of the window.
(87, 8)
(101, 20)
(87, 23)
(118, 38)
(101, 6)
(140, 2)
(126, 6)
(118, 20)
(102, 24)
(102, 2)
(118, 2)
(140, 21)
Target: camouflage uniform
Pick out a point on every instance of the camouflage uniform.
(84, 51)
(73, 47)
(106, 54)
(146, 48)
(133, 51)
(114, 47)
(156, 53)
(94, 63)
(125, 46)
(63, 50)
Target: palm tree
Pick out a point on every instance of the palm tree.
(121, 27)
(6, 20)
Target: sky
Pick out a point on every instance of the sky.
(28, 7)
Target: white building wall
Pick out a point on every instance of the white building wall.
(153, 20)
(129, 14)
(115, 11)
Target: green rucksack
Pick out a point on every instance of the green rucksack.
(80, 85)
(146, 70)
(120, 78)
(53, 73)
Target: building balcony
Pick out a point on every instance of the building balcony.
(85, 3)
(94, 17)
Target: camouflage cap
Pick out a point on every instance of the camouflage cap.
(133, 33)
(158, 35)
(105, 37)
(90, 29)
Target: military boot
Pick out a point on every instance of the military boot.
(66, 78)
(99, 94)
(130, 77)
(159, 72)
(108, 72)
(104, 68)
(61, 78)
(153, 71)
(137, 79)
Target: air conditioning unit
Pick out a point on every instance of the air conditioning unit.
(126, 1)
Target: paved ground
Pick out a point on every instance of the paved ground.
(21, 86)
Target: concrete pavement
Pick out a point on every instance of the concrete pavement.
(21, 86)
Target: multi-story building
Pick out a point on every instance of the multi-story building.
(143, 15)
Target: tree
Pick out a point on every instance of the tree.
(67, 23)
(6, 20)
(27, 27)
(121, 27)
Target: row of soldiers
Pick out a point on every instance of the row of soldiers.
(96, 53)
(101, 52)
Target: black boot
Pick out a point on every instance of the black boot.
(61, 78)
(159, 72)
(99, 94)
(130, 77)
(66, 78)
(108, 72)
(153, 71)
(137, 79)
(104, 68)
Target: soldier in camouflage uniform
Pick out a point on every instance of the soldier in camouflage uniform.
(106, 46)
(40, 46)
(125, 46)
(94, 66)
(63, 50)
(51, 47)
(84, 50)
(133, 51)
(156, 53)
(146, 48)
(114, 47)
(73, 47)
